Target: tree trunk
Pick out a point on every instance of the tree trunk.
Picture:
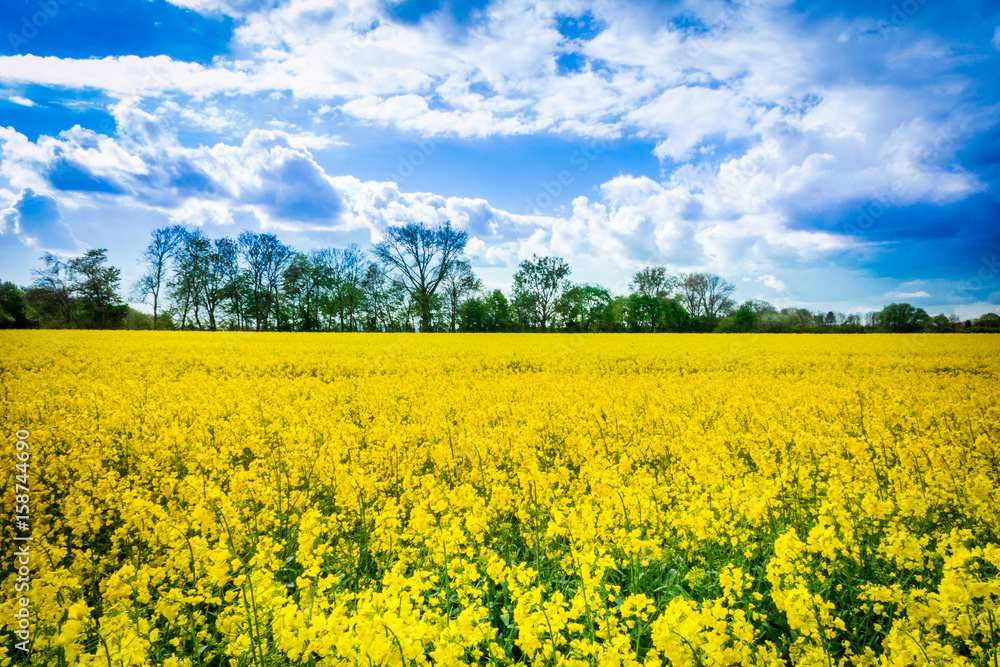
(424, 305)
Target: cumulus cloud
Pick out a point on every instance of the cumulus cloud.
(754, 129)
(269, 174)
(686, 115)
(35, 220)
(686, 90)
(688, 221)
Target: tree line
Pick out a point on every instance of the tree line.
(417, 278)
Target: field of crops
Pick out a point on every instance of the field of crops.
(275, 499)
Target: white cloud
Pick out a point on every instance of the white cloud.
(968, 311)
(687, 115)
(771, 134)
(774, 283)
(751, 71)
(270, 174)
(920, 294)
(123, 76)
(996, 38)
(233, 8)
(635, 221)
(35, 220)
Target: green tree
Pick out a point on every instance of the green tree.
(53, 293)
(901, 318)
(988, 321)
(137, 321)
(473, 316)
(376, 288)
(459, 282)
(538, 284)
(759, 306)
(217, 286)
(498, 311)
(941, 324)
(773, 322)
(745, 319)
(98, 286)
(642, 312)
(301, 288)
(799, 319)
(673, 317)
(619, 313)
(345, 270)
(584, 308)
(13, 310)
(489, 313)
(193, 278)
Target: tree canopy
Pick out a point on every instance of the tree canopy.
(418, 278)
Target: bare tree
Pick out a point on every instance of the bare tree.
(266, 258)
(759, 306)
(234, 280)
(653, 281)
(158, 256)
(383, 298)
(706, 294)
(421, 257)
(300, 289)
(214, 283)
(224, 270)
(346, 266)
(191, 274)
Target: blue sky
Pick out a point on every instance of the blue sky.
(831, 155)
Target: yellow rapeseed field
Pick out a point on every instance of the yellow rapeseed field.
(338, 499)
